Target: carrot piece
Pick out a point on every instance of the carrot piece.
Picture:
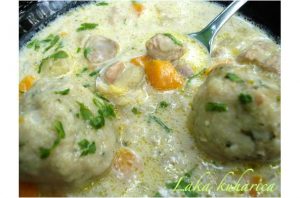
(28, 190)
(26, 83)
(162, 75)
(141, 60)
(126, 162)
(138, 7)
(255, 180)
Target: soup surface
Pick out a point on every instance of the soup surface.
(95, 116)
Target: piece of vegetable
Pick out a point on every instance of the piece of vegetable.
(159, 122)
(78, 50)
(57, 55)
(163, 104)
(35, 44)
(138, 7)
(126, 162)
(95, 121)
(107, 108)
(135, 111)
(63, 92)
(59, 129)
(185, 181)
(103, 3)
(217, 107)
(86, 51)
(256, 179)
(86, 26)
(27, 189)
(26, 83)
(162, 75)
(245, 98)
(141, 60)
(86, 147)
(233, 77)
(53, 40)
(176, 41)
(94, 73)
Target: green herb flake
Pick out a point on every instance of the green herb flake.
(87, 26)
(59, 55)
(135, 111)
(35, 44)
(94, 73)
(44, 152)
(105, 107)
(217, 107)
(245, 98)
(86, 51)
(78, 50)
(233, 77)
(176, 41)
(95, 121)
(52, 42)
(58, 126)
(103, 3)
(63, 92)
(163, 104)
(159, 122)
(87, 147)
(59, 129)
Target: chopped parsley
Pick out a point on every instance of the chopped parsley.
(86, 147)
(87, 26)
(35, 44)
(159, 122)
(94, 73)
(63, 92)
(86, 51)
(78, 50)
(105, 107)
(57, 55)
(197, 75)
(103, 3)
(52, 41)
(177, 42)
(245, 98)
(217, 107)
(59, 129)
(182, 184)
(163, 104)
(82, 71)
(233, 77)
(95, 121)
(135, 111)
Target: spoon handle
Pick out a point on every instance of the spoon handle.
(208, 33)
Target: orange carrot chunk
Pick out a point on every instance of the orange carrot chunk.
(141, 60)
(138, 7)
(163, 76)
(26, 83)
(28, 190)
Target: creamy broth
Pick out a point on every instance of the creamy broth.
(165, 155)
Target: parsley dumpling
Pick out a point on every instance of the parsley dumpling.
(66, 133)
(236, 114)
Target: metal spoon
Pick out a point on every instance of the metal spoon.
(206, 36)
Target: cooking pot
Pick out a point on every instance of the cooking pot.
(34, 15)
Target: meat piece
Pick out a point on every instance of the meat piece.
(114, 71)
(164, 47)
(263, 54)
(99, 49)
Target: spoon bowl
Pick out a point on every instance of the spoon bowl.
(206, 36)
